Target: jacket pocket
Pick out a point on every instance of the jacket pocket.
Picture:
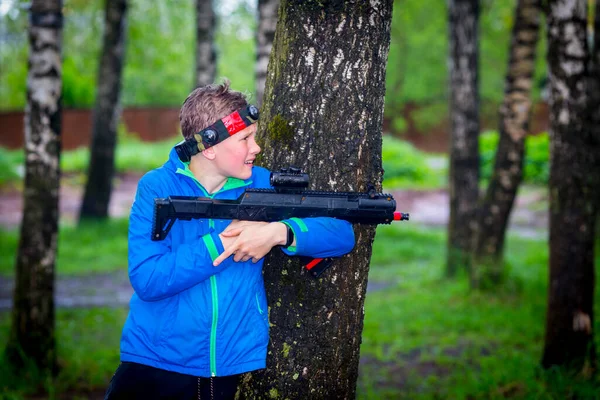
(261, 306)
(165, 317)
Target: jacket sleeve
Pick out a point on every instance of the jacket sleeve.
(156, 271)
(320, 237)
(315, 237)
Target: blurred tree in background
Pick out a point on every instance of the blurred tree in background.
(206, 56)
(463, 178)
(107, 112)
(495, 208)
(265, 31)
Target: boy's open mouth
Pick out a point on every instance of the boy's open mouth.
(250, 162)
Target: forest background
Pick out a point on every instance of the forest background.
(160, 55)
(424, 337)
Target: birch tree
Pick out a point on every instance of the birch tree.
(464, 132)
(32, 330)
(573, 187)
(206, 57)
(495, 209)
(267, 22)
(323, 112)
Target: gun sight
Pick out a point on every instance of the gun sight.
(289, 180)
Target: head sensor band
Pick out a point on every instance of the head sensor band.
(217, 132)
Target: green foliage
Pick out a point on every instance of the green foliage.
(402, 161)
(79, 89)
(159, 61)
(428, 116)
(11, 166)
(537, 153)
(159, 58)
(417, 63)
(537, 165)
(405, 166)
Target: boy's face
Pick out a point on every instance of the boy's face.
(235, 156)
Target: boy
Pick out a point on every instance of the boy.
(198, 317)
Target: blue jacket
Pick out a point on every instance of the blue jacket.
(188, 316)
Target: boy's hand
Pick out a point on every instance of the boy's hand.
(250, 240)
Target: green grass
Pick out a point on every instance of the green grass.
(424, 337)
(406, 167)
(92, 247)
(429, 338)
(87, 351)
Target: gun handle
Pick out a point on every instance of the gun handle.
(317, 266)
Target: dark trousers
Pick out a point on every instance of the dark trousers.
(136, 381)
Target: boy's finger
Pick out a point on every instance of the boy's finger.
(222, 257)
(237, 257)
(232, 232)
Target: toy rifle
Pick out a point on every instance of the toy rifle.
(288, 198)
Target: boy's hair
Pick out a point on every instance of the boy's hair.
(206, 105)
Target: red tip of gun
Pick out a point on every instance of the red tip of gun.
(398, 216)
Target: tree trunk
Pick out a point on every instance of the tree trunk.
(106, 114)
(267, 22)
(206, 57)
(32, 331)
(574, 157)
(323, 112)
(464, 136)
(514, 115)
(594, 80)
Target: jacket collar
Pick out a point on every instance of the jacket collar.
(183, 168)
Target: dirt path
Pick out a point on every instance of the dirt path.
(426, 208)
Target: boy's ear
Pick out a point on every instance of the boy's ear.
(209, 153)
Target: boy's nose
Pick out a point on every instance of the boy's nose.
(255, 149)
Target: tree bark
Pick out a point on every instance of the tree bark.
(32, 330)
(106, 114)
(464, 135)
(323, 112)
(267, 22)
(514, 114)
(206, 58)
(574, 158)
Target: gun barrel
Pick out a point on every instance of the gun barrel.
(400, 216)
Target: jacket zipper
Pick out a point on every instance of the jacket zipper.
(213, 329)
(213, 279)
